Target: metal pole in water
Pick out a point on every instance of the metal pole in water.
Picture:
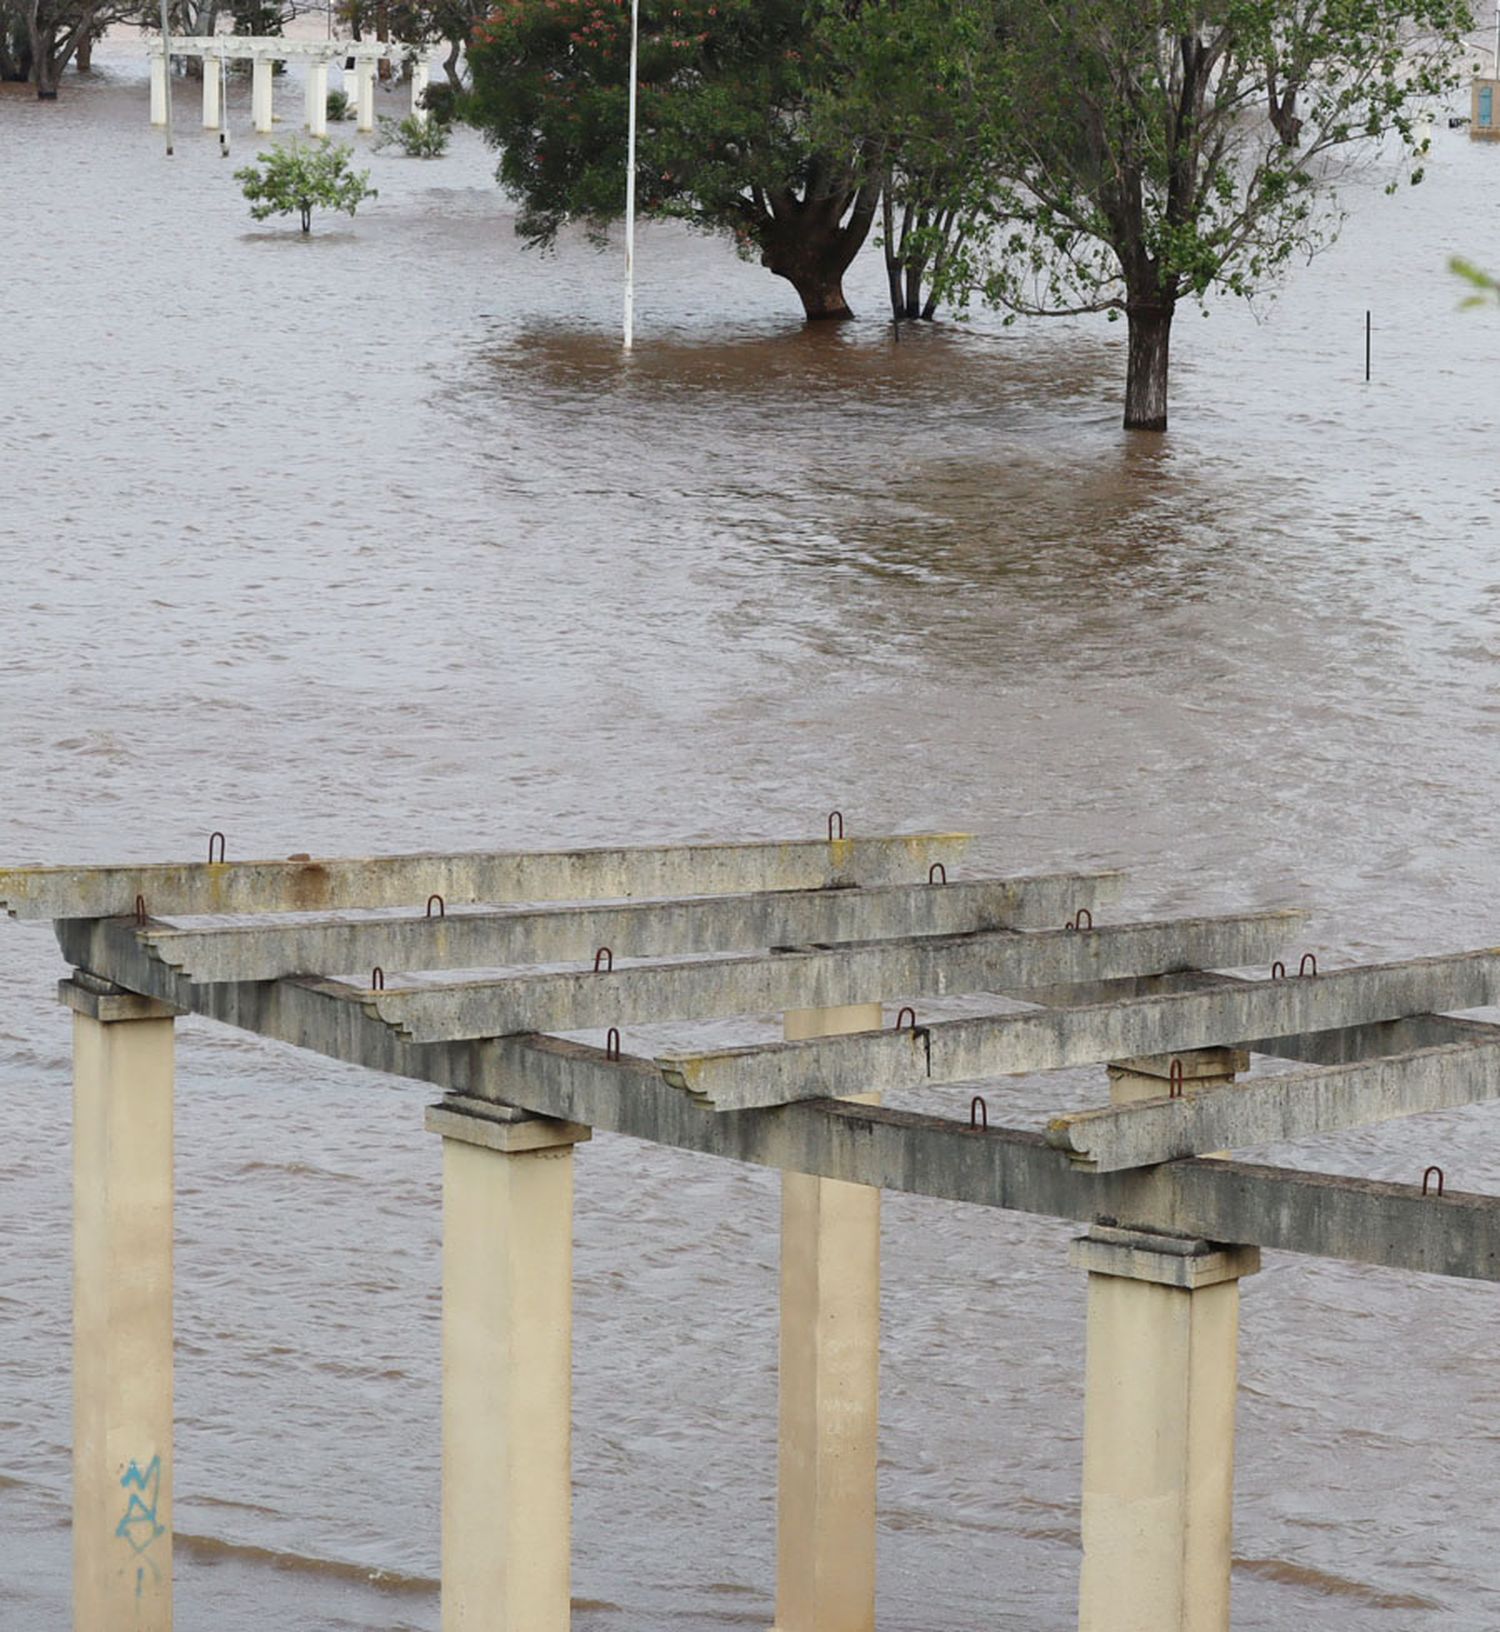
(166, 63)
(1367, 347)
(223, 105)
(635, 33)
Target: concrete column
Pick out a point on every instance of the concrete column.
(211, 93)
(262, 85)
(158, 90)
(829, 1386)
(364, 94)
(1158, 1430)
(317, 98)
(507, 1367)
(122, 1308)
(420, 71)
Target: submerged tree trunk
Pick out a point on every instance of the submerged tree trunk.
(808, 241)
(1147, 368)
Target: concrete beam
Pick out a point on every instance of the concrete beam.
(1277, 1110)
(184, 889)
(1046, 1039)
(701, 925)
(236, 46)
(876, 971)
(1318, 1213)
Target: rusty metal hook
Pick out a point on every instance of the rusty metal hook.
(140, 909)
(609, 960)
(223, 844)
(1426, 1177)
(377, 979)
(612, 1043)
(933, 871)
(1174, 1080)
(835, 816)
(1278, 970)
(442, 906)
(1307, 958)
(908, 1010)
(978, 1104)
(1077, 920)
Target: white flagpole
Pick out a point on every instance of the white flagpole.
(635, 35)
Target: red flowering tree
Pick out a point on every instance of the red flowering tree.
(725, 130)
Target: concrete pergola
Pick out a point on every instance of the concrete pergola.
(826, 932)
(264, 51)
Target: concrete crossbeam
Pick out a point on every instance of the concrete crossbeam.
(826, 977)
(183, 889)
(1276, 1110)
(1046, 1039)
(637, 929)
(1318, 1213)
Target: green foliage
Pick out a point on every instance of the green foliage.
(416, 139)
(726, 138)
(339, 106)
(1484, 284)
(297, 179)
(1155, 149)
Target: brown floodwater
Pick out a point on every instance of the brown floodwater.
(374, 542)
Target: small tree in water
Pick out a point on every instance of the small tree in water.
(296, 180)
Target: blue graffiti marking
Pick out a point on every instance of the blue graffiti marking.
(139, 1526)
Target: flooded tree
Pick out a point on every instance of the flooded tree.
(1157, 150)
(297, 179)
(725, 142)
(43, 36)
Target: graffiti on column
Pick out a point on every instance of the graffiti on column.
(139, 1525)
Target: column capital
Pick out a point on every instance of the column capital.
(102, 1000)
(1164, 1258)
(501, 1127)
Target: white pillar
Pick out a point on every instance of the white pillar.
(211, 93)
(1158, 1430)
(507, 1367)
(122, 1308)
(829, 1383)
(420, 71)
(262, 84)
(317, 98)
(158, 90)
(364, 94)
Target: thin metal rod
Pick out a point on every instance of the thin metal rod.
(635, 36)
(166, 65)
(1367, 347)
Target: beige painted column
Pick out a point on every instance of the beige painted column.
(507, 1367)
(122, 1308)
(1158, 1430)
(829, 1387)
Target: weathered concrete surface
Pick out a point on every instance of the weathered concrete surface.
(507, 1374)
(182, 889)
(122, 1320)
(828, 1393)
(1277, 1110)
(698, 926)
(1158, 1432)
(923, 966)
(971, 1050)
(1323, 1214)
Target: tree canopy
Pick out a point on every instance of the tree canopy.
(1155, 150)
(726, 130)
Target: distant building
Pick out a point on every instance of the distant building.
(1484, 110)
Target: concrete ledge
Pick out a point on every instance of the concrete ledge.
(100, 1000)
(1183, 1261)
(500, 1127)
